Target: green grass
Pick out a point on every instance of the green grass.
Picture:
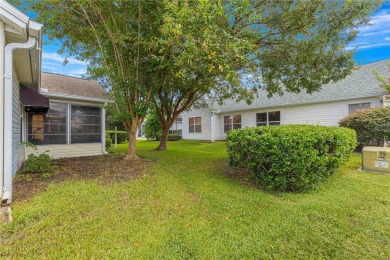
(189, 208)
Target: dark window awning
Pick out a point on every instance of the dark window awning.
(32, 101)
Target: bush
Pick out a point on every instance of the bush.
(290, 157)
(37, 163)
(121, 136)
(172, 137)
(152, 127)
(372, 126)
(108, 140)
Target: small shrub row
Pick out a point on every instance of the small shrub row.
(290, 157)
(372, 126)
(121, 136)
(173, 137)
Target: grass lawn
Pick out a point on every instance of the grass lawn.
(191, 208)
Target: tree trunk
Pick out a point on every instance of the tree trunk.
(164, 138)
(132, 134)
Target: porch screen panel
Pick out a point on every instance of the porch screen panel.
(48, 128)
(85, 124)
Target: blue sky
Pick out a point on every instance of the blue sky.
(373, 44)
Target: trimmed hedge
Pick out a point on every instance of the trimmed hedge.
(172, 137)
(372, 126)
(121, 136)
(290, 157)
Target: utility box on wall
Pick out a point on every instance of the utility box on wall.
(376, 159)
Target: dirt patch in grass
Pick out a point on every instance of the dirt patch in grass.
(108, 169)
(234, 173)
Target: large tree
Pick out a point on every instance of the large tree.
(118, 39)
(230, 49)
(201, 57)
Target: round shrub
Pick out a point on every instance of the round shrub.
(152, 127)
(372, 126)
(108, 140)
(290, 157)
(121, 136)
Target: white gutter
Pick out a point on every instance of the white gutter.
(8, 70)
(73, 97)
(211, 126)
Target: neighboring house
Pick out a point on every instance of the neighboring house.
(75, 122)
(176, 127)
(325, 107)
(57, 113)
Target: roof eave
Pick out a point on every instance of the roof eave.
(21, 23)
(297, 104)
(76, 98)
(13, 17)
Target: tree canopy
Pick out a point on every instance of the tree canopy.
(174, 53)
(231, 49)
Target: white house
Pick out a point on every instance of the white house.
(326, 107)
(74, 124)
(20, 62)
(57, 113)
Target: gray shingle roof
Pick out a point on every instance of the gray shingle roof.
(71, 86)
(360, 84)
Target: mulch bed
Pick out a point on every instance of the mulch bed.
(108, 169)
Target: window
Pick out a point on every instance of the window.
(268, 118)
(49, 128)
(231, 123)
(352, 108)
(177, 127)
(195, 125)
(85, 124)
(52, 128)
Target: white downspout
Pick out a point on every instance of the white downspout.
(8, 69)
(104, 129)
(211, 126)
(2, 43)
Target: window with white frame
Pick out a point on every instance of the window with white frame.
(231, 123)
(352, 108)
(268, 118)
(195, 124)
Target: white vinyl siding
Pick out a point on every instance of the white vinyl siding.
(215, 132)
(17, 123)
(66, 151)
(328, 114)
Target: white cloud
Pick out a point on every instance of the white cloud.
(372, 45)
(376, 34)
(56, 57)
(54, 63)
